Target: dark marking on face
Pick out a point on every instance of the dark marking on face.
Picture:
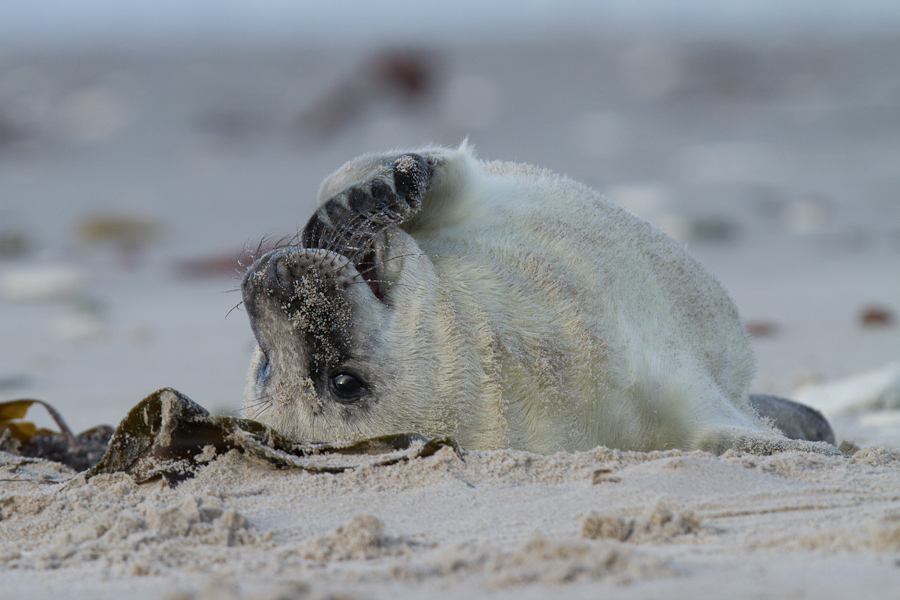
(301, 299)
(300, 310)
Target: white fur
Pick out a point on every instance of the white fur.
(528, 311)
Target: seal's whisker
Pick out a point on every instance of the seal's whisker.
(255, 405)
(235, 307)
(384, 261)
(350, 235)
(311, 237)
(350, 248)
(257, 409)
(379, 281)
(261, 404)
(293, 239)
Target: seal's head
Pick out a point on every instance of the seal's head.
(330, 362)
(302, 305)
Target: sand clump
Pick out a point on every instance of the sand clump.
(876, 456)
(538, 559)
(360, 538)
(658, 524)
(111, 522)
(545, 561)
(886, 532)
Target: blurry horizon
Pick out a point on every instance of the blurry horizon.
(56, 24)
(144, 148)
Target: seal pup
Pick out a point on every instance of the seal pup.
(501, 305)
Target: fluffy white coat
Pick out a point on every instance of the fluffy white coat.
(526, 310)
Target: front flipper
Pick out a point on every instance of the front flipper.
(796, 421)
(349, 221)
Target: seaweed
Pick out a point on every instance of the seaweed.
(24, 438)
(170, 436)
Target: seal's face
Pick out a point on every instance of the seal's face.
(323, 312)
(317, 323)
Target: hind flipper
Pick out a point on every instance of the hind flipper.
(796, 421)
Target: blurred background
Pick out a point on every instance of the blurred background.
(145, 146)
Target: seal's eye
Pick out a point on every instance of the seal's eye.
(347, 387)
(263, 368)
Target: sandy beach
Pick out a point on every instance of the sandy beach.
(131, 183)
(499, 524)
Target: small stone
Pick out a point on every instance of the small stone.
(876, 316)
(761, 329)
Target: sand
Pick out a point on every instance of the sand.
(492, 524)
(775, 161)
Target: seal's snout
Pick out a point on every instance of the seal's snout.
(290, 276)
(269, 277)
(290, 269)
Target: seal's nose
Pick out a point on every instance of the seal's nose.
(270, 278)
(283, 270)
(274, 273)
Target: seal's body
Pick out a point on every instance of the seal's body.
(498, 304)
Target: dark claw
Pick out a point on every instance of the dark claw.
(336, 212)
(361, 202)
(411, 176)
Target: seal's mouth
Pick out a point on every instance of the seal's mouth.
(366, 268)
